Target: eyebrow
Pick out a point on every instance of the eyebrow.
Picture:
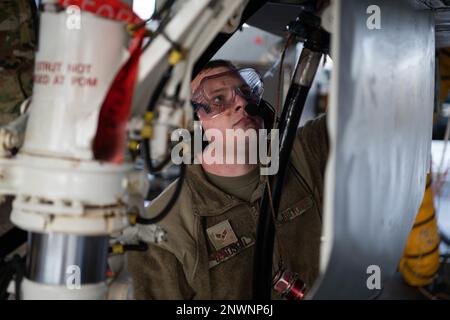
(232, 81)
(217, 90)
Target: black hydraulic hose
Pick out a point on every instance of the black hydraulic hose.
(297, 95)
(148, 161)
(159, 88)
(146, 149)
(266, 227)
(11, 240)
(289, 121)
(165, 7)
(164, 212)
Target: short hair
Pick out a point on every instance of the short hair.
(218, 63)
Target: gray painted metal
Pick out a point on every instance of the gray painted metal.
(380, 124)
(274, 17)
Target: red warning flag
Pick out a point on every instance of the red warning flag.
(111, 9)
(110, 139)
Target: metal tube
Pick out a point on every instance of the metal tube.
(52, 255)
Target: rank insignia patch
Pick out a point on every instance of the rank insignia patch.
(221, 235)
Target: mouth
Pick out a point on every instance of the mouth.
(245, 121)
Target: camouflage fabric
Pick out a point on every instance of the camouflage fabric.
(17, 45)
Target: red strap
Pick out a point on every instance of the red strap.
(109, 142)
(111, 9)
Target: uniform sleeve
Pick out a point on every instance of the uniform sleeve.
(313, 138)
(157, 274)
(310, 154)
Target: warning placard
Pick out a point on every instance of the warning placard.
(59, 73)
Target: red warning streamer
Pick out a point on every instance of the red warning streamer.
(111, 9)
(110, 138)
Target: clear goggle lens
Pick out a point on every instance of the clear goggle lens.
(218, 92)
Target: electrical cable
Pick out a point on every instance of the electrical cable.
(267, 228)
(316, 44)
(276, 121)
(146, 143)
(146, 149)
(165, 211)
(164, 21)
(279, 96)
(148, 162)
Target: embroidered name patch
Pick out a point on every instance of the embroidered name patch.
(296, 210)
(230, 251)
(221, 235)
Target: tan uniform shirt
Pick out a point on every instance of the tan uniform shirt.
(241, 187)
(211, 234)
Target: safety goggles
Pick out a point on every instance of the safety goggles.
(216, 93)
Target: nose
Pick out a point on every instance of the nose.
(240, 103)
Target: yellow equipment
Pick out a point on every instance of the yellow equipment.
(420, 261)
